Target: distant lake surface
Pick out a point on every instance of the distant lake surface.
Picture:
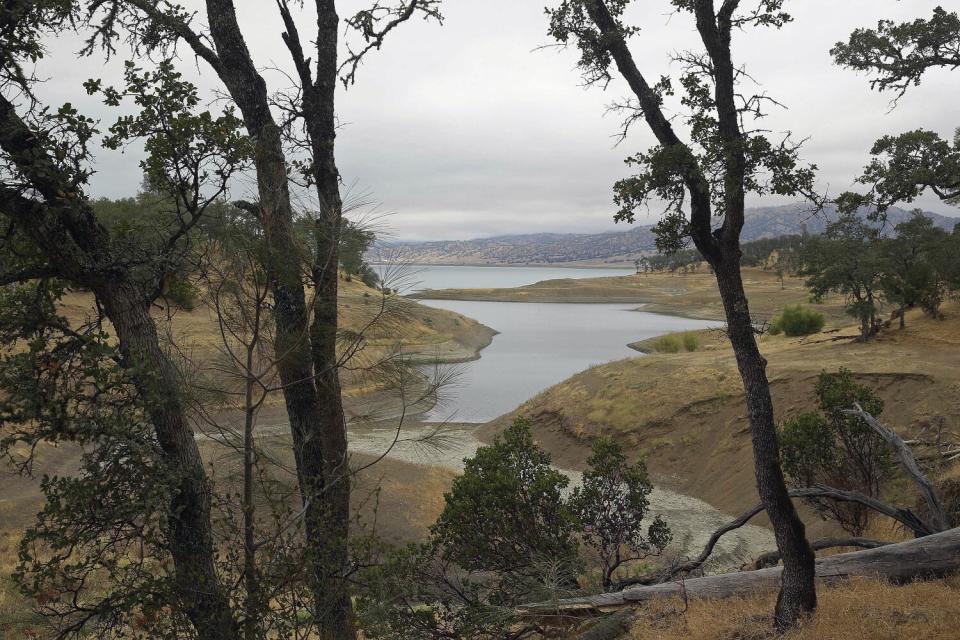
(539, 345)
(415, 278)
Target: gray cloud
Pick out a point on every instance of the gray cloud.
(467, 129)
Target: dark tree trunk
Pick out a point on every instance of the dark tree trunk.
(307, 359)
(191, 536)
(721, 249)
(797, 593)
(335, 610)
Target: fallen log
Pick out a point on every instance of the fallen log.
(773, 557)
(932, 556)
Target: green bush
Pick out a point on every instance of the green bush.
(667, 344)
(182, 293)
(832, 448)
(674, 342)
(797, 320)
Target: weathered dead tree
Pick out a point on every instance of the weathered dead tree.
(932, 556)
(938, 520)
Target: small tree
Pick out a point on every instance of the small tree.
(506, 512)
(611, 506)
(845, 260)
(833, 448)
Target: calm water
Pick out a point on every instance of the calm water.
(422, 277)
(539, 345)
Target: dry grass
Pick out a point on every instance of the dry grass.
(862, 609)
(436, 334)
(688, 408)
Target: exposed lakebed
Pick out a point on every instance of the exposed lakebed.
(538, 345)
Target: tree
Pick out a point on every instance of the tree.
(912, 267)
(838, 450)
(148, 538)
(898, 56)
(506, 512)
(306, 335)
(845, 260)
(511, 533)
(611, 506)
(710, 173)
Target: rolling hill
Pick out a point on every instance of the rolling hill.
(614, 248)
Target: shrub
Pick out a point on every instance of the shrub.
(842, 451)
(182, 293)
(797, 320)
(674, 342)
(667, 344)
(511, 532)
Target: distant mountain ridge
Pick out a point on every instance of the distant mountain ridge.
(612, 247)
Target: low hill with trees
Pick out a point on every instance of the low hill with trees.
(617, 248)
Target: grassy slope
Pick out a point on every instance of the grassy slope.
(685, 412)
(410, 495)
(859, 610)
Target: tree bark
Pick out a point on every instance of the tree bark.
(721, 249)
(320, 117)
(191, 533)
(798, 592)
(307, 359)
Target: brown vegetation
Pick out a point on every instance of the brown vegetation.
(861, 609)
(685, 411)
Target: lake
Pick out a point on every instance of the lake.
(539, 344)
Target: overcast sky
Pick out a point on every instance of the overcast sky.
(470, 129)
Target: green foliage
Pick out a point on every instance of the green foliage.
(797, 320)
(690, 341)
(900, 53)
(611, 505)
(842, 451)
(510, 533)
(666, 172)
(667, 344)
(181, 292)
(101, 538)
(507, 510)
(674, 342)
(916, 265)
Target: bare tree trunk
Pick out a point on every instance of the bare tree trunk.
(721, 249)
(307, 363)
(798, 591)
(335, 609)
(253, 603)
